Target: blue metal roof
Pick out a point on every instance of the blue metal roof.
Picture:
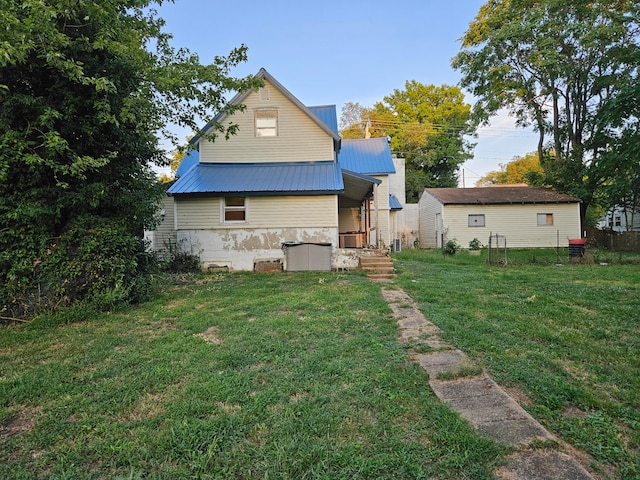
(326, 113)
(191, 158)
(302, 178)
(370, 156)
(394, 203)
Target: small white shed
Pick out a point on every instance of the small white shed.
(530, 217)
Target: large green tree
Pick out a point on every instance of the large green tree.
(428, 126)
(87, 89)
(619, 140)
(555, 64)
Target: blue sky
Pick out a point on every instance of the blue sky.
(332, 52)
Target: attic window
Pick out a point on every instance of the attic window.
(265, 94)
(266, 122)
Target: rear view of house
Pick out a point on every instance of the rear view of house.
(286, 179)
(528, 216)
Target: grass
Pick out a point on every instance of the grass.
(282, 376)
(565, 335)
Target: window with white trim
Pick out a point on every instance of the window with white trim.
(266, 122)
(476, 220)
(235, 209)
(545, 219)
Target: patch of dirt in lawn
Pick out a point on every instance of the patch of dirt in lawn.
(180, 302)
(154, 329)
(22, 421)
(210, 335)
(228, 408)
(148, 406)
(518, 394)
(575, 370)
(572, 411)
(296, 397)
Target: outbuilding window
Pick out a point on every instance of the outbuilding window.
(476, 220)
(545, 219)
(235, 209)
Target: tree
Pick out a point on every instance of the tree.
(619, 141)
(555, 64)
(525, 169)
(357, 121)
(86, 89)
(427, 125)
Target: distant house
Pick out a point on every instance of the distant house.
(527, 216)
(619, 219)
(286, 179)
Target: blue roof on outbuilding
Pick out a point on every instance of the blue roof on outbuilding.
(191, 158)
(370, 156)
(327, 114)
(302, 178)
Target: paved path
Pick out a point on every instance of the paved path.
(481, 401)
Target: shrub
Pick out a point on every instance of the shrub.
(475, 244)
(182, 262)
(94, 260)
(451, 247)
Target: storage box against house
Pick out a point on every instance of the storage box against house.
(308, 256)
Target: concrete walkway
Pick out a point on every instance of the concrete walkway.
(483, 403)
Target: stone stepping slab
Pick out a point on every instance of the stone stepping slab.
(481, 401)
(485, 405)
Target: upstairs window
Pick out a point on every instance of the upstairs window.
(266, 122)
(545, 219)
(235, 209)
(476, 220)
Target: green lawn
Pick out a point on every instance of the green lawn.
(291, 376)
(281, 376)
(564, 337)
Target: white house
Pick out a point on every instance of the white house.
(620, 219)
(527, 216)
(285, 179)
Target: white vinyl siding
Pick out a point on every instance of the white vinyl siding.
(349, 220)
(298, 137)
(163, 238)
(428, 208)
(262, 212)
(518, 222)
(294, 211)
(380, 219)
(198, 213)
